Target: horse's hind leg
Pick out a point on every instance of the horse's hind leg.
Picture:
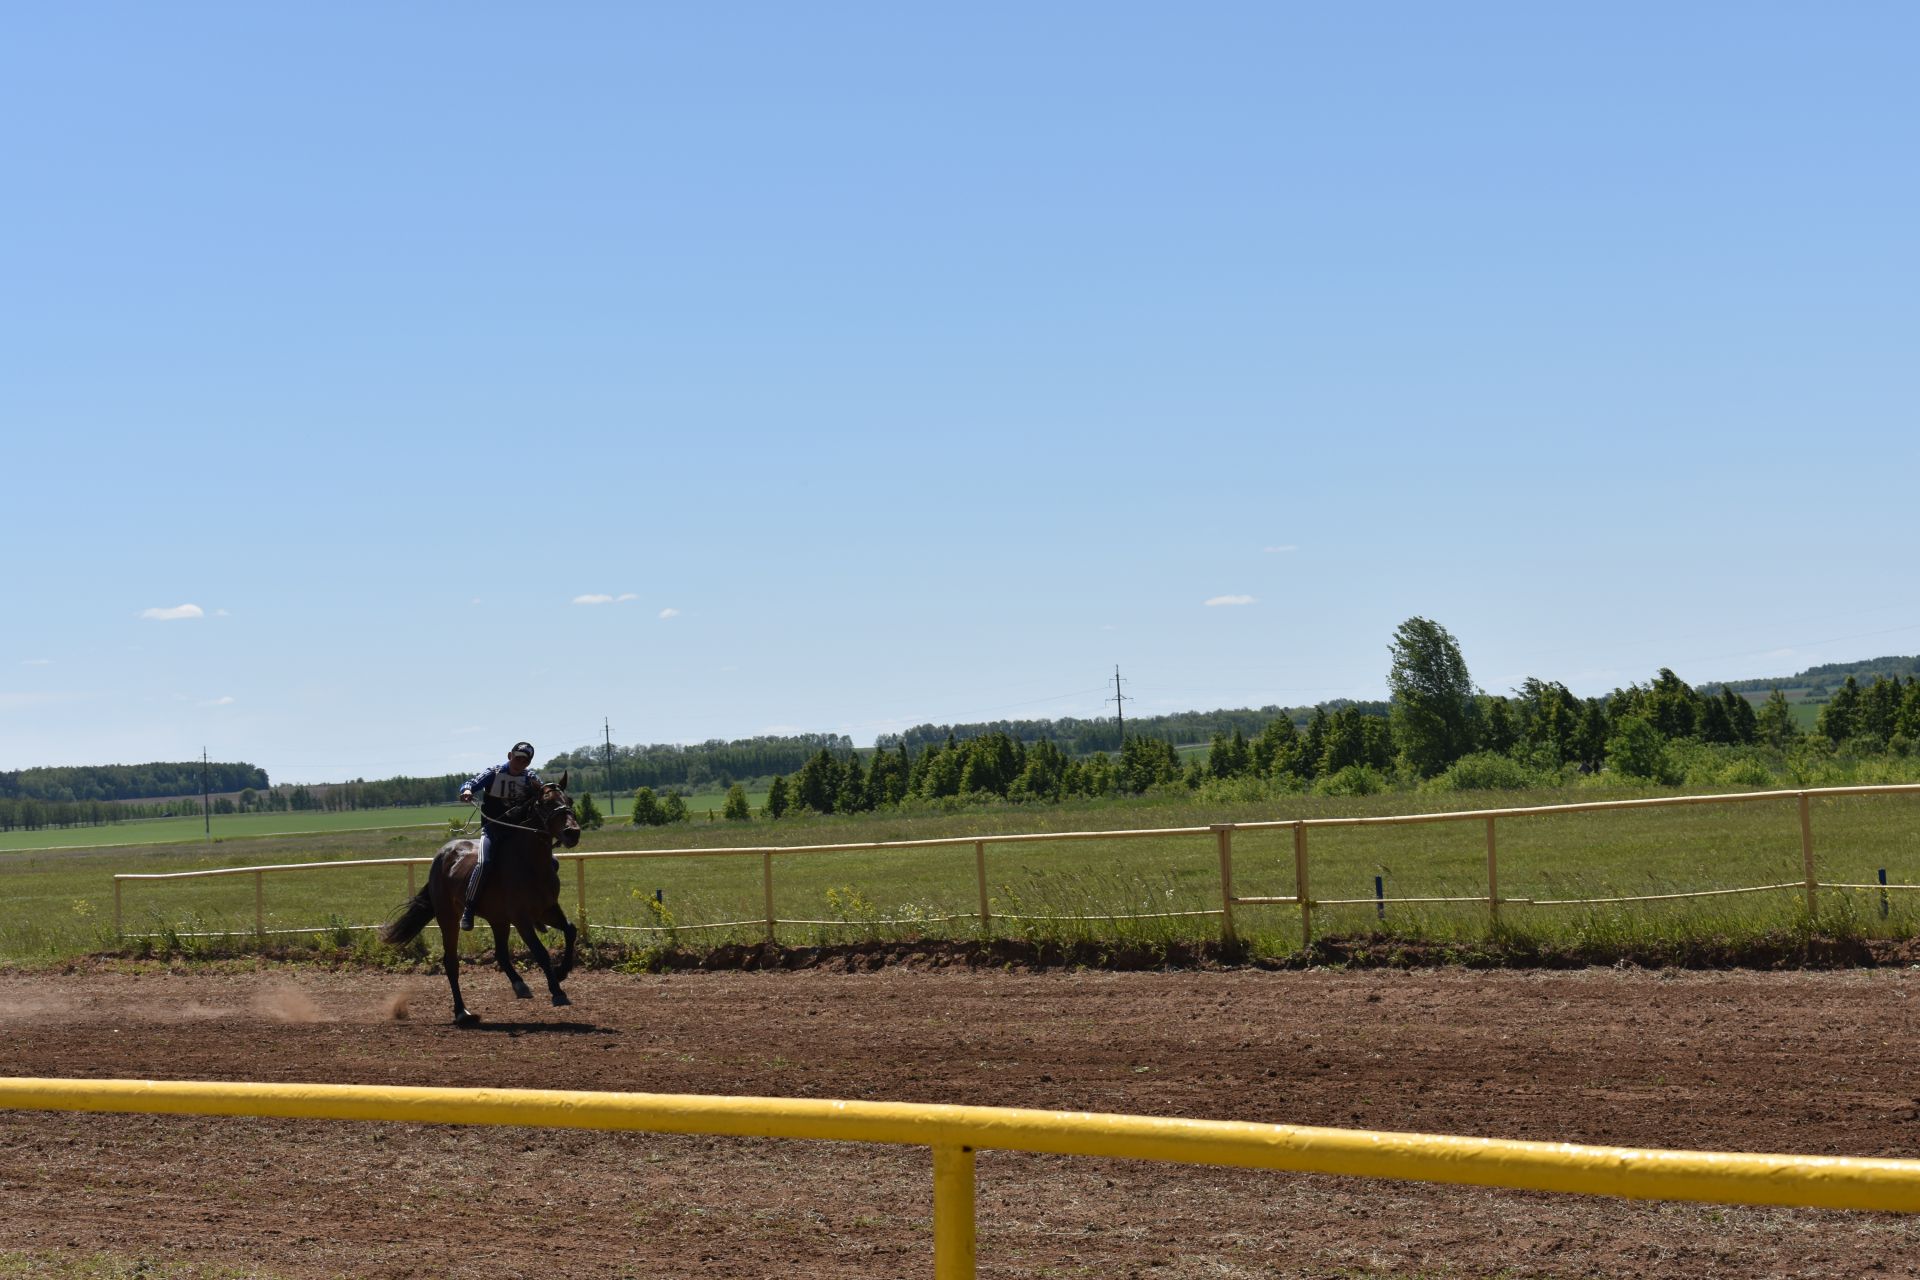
(540, 957)
(503, 956)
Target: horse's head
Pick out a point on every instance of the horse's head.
(556, 812)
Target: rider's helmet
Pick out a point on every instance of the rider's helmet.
(522, 749)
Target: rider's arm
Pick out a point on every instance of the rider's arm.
(478, 784)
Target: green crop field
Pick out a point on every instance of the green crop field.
(61, 902)
(225, 827)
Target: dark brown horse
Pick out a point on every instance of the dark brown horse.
(521, 891)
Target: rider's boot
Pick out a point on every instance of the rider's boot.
(473, 896)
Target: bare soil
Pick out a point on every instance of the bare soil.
(1816, 1062)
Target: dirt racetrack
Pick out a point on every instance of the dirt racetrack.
(1799, 1062)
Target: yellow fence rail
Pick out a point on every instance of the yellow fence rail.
(1220, 834)
(956, 1133)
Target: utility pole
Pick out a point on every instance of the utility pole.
(206, 803)
(1119, 700)
(607, 759)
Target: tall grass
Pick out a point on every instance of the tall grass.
(1153, 891)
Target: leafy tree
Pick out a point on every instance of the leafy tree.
(673, 808)
(817, 783)
(852, 795)
(1638, 750)
(1497, 729)
(590, 818)
(777, 797)
(1672, 707)
(1774, 725)
(1746, 726)
(1879, 712)
(1839, 719)
(1432, 696)
(735, 809)
(646, 809)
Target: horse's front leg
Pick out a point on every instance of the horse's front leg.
(540, 957)
(557, 919)
(503, 956)
(450, 956)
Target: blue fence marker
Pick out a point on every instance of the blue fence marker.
(1883, 893)
(1380, 897)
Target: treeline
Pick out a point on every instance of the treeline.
(129, 781)
(701, 766)
(35, 814)
(999, 766)
(1826, 677)
(1084, 737)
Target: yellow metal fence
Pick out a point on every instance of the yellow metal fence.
(1221, 834)
(956, 1133)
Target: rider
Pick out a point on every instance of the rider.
(500, 787)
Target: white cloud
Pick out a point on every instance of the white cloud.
(220, 702)
(1220, 600)
(221, 613)
(669, 613)
(174, 614)
(593, 599)
(1279, 550)
(36, 662)
(625, 596)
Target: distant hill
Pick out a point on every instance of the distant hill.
(1818, 683)
(83, 783)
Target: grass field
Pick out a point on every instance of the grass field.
(249, 826)
(60, 902)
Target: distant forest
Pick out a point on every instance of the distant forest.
(1871, 704)
(129, 781)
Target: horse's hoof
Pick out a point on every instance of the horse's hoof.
(523, 993)
(465, 1018)
(560, 1000)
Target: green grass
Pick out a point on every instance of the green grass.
(233, 826)
(60, 903)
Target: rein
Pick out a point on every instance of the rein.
(516, 810)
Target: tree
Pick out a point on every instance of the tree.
(589, 817)
(646, 809)
(673, 808)
(777, 797)
(1432, 696)
(1839, 718)
(1774, 724)
(736, 808)
(1638, 750)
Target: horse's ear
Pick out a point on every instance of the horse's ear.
(563, 778)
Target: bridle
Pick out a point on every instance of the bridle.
(554, 808)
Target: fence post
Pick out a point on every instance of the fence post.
(1300, 884)
(1493, 878)
(980, 876)
(953, 1206)
(260, 904)
(580, 885)
(766, 885)
(119, 929)
(1223, 834)
(410, 889)
(1806, 853)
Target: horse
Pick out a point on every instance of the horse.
(521, 891)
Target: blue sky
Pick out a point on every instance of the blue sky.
(872, 366)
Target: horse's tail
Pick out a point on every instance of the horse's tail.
(411, 919)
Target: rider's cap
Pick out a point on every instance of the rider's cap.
(522, 749)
